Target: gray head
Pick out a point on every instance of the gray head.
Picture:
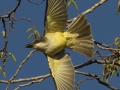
(38, 44)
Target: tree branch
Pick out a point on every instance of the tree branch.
(88, 10)
(95, 61)
(94, 77)
(22, 64)
(35, 80)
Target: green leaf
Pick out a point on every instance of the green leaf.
(112, 73)
(36, 32)
(1, 54)
(118, 45)
(12, 56)
(95, 51)
(118, 9)
(103, 77)
(30, 36)
(69, 3)
(119, 3)
(29, 29)
(74, 3)
(107, 78)
(3, 72)
(4, 58)
(117, 42)
(4, 63)
(116, 39)
(116, 70)
(3, 34)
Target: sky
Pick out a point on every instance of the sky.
(105, 25)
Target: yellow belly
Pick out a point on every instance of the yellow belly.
(57, 42)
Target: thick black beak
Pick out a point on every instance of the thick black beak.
(28, 46)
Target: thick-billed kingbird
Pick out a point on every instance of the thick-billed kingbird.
(56, 38)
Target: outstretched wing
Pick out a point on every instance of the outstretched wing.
(56, 16)
(62, 71)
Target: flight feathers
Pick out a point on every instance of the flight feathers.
(56, 16)
(62, 72)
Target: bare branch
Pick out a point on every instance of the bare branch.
(4, 81)
(35, 80)
(94, 6)
(94, 77)
(22, 64)
(27, 84)
(9, 82)
(30, 79)
(25, 79)
(7, 86)
(14, 10)
(2, 18)
(95, 61)
(89, 10)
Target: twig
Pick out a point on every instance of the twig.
(106, 47)
(94, 77)
(36, 80)
(9, 82)
(89, 10)
(22, 64)
(26, 19)
(33, 2)
(4, 81)
(25, 79)
(30, 79)
(95, 61)
(7, 86)
(14, 10)
(94, 7)
(27, 84)
(4, 26)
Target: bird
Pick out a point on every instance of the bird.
(77, 37)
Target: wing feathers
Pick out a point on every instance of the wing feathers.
(56, 16)
(62, 71)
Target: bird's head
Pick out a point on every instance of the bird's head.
(38, 44)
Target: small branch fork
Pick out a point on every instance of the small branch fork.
(10, 18)
(2, 18)
(87, 11)
(31, 80)
(93, 77)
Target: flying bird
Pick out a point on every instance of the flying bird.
(56, 38)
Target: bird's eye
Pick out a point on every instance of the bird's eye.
(36, 41)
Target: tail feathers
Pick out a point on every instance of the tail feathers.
(83, 43)
(85, 47)
(62, 71)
